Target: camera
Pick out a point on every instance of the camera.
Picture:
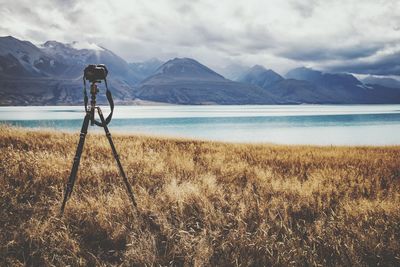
(94, 72)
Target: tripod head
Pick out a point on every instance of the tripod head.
(95, 74)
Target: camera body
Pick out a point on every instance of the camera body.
(95, 73)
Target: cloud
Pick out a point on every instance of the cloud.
(315, 53)
(345, 35)
(384, 62)
(304, 7)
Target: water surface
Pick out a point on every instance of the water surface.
(283, 124)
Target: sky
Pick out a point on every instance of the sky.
(356, 36)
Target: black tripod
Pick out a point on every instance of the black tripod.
(90, 113)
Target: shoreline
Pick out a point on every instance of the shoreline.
(161, 104)
(120, 133)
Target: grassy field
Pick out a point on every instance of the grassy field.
(199, 203)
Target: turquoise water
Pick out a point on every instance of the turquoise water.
(283, 124)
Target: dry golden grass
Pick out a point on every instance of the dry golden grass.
(199, 203)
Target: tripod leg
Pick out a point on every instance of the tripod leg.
(121, 170)
(77, 159)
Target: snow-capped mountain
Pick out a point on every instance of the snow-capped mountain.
(55, 71)
(78, 55)
(22, 58)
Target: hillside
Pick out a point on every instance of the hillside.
(199, 203)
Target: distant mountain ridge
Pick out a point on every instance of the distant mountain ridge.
(260, 76)
(146, 68)
(323, 79)
(233, 71)
(345, 88)
(187, 69)
(51, 74)
(386, 82)
(186, 81)
(305, 85)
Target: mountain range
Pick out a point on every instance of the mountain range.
(51, 74)
(186, 81)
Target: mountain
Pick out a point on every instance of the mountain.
(386, 82)
(286, 91)
(52, 73)
(290, 91)
(77, 56)
(146, 68)
(24, 59)
(26, 75)
(332, 88)
(304, 85)
(186, 81)
(258, 75)
(343, 88)
(233, 71)
(324, 79)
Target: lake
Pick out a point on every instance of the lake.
(281, 124)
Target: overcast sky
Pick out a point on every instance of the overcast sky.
(359, 36)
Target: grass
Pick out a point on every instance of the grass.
(199, 203)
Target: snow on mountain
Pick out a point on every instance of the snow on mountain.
(86, 45)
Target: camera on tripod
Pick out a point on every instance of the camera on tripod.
(95, 73)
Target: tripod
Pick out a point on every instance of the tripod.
(90, 116)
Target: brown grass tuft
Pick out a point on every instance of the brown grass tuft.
(199, 203)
